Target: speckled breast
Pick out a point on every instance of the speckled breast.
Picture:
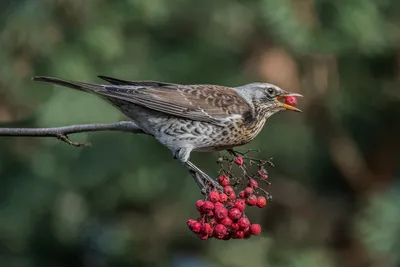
(232, 135)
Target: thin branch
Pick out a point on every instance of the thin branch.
(62, 132)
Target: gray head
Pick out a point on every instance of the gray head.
(266, 97)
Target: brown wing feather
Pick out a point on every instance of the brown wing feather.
(116, 81)
(209, 103)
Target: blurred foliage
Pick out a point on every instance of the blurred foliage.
(125, 201)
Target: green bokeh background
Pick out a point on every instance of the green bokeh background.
(125, 200)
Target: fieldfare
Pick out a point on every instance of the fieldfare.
(188, 118)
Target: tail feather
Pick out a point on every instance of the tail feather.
(82, 86)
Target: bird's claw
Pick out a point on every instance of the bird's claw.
(203, 180)
(210, 184)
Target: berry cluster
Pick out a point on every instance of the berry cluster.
(222, 214)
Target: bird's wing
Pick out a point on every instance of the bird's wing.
(116, 81)
(209, 103)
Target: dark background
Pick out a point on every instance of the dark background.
(125, 200)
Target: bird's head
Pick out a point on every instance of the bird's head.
(267, 97)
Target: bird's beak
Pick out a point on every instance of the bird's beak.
(282, 97)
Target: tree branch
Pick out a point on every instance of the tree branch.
(62, 132)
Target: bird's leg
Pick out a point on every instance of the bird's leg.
(233, 152)
(199, 181)
(197, 178)
(206, 177)
(200, 177)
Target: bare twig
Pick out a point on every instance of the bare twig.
(62, 132)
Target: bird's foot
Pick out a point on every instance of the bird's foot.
(211, 184)
(199, 181)
(202, 179)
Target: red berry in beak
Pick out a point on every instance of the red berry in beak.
(291, 100)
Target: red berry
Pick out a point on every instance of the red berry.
(239, 234)
(190, 223)
(201, 219)
(218, 205)
(240, 204)
(234, 227)
(235, 214)
(208, 205)
(239, 161)
(221, 213)
(207, 229)
(226, 221)
(203, 236)
(291, 100)
(243, 223)
(220, 230)
(262, 174)
(223, 180)
(199, 204)
(230, 204)
(228, 190)
(261, 201)
(232, 196)
(242, 194)
(255, 229)
(213, 196)
(249, 191)
(210, 214)
(196, 227)
(251, 200)
(212, 222)
(223, 197)
(253, 183)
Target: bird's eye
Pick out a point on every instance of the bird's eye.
(271, 91)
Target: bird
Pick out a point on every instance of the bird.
(190, 118)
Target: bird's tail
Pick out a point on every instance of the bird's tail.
(81, 86)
